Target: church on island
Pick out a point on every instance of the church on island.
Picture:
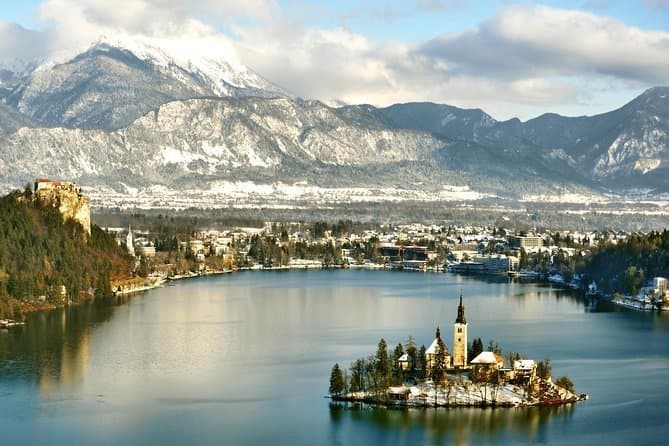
(459, 358)
(485, 366)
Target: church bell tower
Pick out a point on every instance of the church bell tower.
(460, 338)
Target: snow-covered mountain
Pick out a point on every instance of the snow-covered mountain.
(115, 80)
(133, 115)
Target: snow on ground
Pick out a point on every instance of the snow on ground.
(461, 391)
(564, 197)
(279, 195)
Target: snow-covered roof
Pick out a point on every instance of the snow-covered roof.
(433, 349)
(401, 390)
(524, 365)
(404, 358)
(487, 358)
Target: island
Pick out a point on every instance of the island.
(433, 377)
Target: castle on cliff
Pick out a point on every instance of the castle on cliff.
(67, 197)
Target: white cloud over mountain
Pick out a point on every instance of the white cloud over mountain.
(521, 60)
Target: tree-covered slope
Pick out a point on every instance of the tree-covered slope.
(40, 254)
(626, 266)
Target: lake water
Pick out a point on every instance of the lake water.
(245, 358)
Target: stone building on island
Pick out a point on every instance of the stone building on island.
(433, 351)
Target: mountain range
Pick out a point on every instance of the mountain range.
(146, 116)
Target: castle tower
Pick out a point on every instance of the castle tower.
(460, 338)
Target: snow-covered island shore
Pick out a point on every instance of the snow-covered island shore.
(461, 391)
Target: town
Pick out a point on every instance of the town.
(596, 263)
(531, 254)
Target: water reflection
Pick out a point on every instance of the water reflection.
(245, 359)
(53, 348)
(456, 426)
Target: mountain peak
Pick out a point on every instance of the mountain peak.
(210, 58)
(655, 94)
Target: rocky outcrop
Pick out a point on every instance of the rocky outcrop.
(68, 198)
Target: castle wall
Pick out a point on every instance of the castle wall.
(69, 199)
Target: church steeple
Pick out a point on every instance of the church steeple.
(461, 313)
(460, 338)
(129, 242)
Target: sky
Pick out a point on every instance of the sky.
(509, 58)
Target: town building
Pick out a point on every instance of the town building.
(498, 263)
(526, 242)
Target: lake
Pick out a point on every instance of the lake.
(245, 358)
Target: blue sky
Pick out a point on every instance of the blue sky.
(510, 58)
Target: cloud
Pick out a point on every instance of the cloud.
(527, 56)
(19, 42)
(523, 59)
(542, 41)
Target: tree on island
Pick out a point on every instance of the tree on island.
(397, 374)
(382, 366)
(565, 383)
(438, 371)
(358, 375)
(412, 353)
(421, 363)
(493, 346)
(544, 368)
(337, 382)
(475, 348)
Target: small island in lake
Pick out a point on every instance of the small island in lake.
(432, 377)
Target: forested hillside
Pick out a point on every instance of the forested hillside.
(40, 254)
(626, 266)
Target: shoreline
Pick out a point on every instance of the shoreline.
(467, 394)
(154, 282)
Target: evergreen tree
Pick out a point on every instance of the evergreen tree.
(412, 353)
(475, 348)
(421, 363)
(438, 371)
(397, 375)
(337, 384)
(382, 365)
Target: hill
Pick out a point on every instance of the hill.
(46, 261)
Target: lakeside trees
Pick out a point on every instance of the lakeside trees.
(625, 266)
